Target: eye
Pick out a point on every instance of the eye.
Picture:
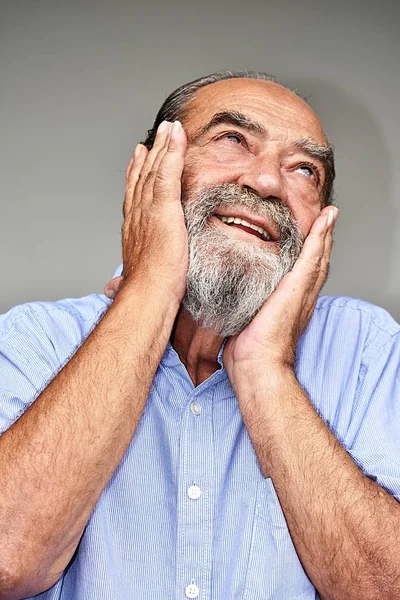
(232, 136)
(309, 170)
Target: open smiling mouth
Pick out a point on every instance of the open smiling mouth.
(251, 228)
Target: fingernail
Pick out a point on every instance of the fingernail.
(138, 151)
(163, 126)
(333, 214)
(176, 130)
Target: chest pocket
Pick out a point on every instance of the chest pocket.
(274, 569)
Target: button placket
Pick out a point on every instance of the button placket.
(196, 475)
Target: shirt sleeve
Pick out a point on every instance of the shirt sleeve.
(373, 438)
(36, 341)
(27, 364)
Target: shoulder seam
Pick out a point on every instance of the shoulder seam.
(33, 312)
(365, 312)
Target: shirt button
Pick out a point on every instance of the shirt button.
(194, 492)
(192, 591)
(195, 407)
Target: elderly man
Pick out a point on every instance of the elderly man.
(217, 430)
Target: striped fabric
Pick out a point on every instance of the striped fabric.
(188, 513)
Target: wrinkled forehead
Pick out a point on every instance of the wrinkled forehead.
(277, 109)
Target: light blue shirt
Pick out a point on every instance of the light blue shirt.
(188, 513)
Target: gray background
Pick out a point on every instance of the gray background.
(82, 80)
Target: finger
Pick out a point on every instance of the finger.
(148, 186)
(128, 169)
(135, 164)
(313, 247)
(325, 261)
(319, 251)
(147, 172)
(112, 287)
(132, 175)
(167, 184)
(309, 272)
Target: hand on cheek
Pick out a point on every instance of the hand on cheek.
(272, 337)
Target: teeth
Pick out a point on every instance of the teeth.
(238, 221)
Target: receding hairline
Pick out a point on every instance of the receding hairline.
(234, 83)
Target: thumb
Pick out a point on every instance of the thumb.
(112, 287)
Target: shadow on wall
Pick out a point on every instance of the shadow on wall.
(363, 252)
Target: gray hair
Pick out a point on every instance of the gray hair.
(174, 108)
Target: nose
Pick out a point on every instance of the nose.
(264, 176)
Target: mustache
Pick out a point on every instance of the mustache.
(197, 209)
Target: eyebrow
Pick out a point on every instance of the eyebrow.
(235, 118)
(314, 150)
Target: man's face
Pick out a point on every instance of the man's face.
(252, 155)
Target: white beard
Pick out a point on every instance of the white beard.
(228, 279)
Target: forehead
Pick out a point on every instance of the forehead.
(283, 114)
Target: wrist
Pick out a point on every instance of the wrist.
(262, 392)
(261, 375)
(167, 285)
(158, 294)
(146, 311)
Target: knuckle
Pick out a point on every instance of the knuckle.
(315, 264)
(162, 177)
(325, 271)
(150, 176)
(126, 208)
(142, 178)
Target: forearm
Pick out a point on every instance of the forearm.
(57, 458)
(343, 525)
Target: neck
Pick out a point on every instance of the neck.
(197, 347)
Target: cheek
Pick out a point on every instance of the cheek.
(305, 204)
(207, 169)
(226, 154)
(305, 222)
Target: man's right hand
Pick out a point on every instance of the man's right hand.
(154, 237)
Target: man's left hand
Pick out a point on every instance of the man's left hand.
(270, 340)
